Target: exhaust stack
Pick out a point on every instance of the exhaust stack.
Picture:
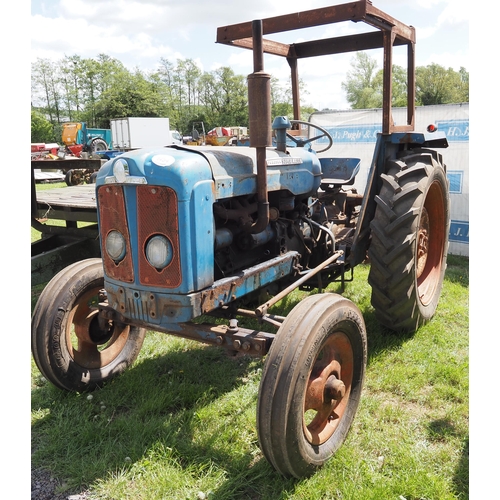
(259, 112)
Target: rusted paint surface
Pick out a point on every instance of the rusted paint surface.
(228, 289)
(251, 342)
(391, 32)
(166, 311)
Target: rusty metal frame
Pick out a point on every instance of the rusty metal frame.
(391, 32)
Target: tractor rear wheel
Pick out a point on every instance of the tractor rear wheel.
(70, 346)
(311, 384)
(409, 240)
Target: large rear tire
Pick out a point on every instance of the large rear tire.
(409, 241)
(311, 384)
(69, 346)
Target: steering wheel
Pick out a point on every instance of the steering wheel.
(302, 142)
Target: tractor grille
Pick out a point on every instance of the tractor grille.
(113, 216)
(157, 214)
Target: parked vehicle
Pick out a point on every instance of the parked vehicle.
(228, 232)
(77, 137)
(143, 132)
(125, 134)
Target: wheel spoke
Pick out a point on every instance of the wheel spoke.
(95, 347)
(87, 355)
(303, 142)
(81, 324)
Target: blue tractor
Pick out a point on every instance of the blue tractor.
(225, 233)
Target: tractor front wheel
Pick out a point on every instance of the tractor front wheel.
(72, 348)
(311, 384)
(409, 240)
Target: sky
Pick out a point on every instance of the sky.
(141, 33)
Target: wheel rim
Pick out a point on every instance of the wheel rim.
(430, 243)
(328, 388)
(89, 345)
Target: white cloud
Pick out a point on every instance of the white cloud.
(140, 33)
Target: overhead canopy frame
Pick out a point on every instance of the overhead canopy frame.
(389, 33)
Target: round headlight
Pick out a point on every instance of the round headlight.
(115, 245)
(159, 251)
(120, 170)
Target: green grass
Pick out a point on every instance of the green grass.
(180, 424)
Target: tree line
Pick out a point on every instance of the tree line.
(434, 84)
(97, 90)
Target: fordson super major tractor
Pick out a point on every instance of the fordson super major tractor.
(195, 238)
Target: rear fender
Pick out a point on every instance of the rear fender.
(386, 147)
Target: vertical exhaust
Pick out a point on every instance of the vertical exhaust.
(259, 113)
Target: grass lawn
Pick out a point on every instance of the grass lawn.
(180, 424)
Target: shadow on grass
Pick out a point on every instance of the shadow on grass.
(160, 400)
(163, 401)
(461, 477)
(442, 430)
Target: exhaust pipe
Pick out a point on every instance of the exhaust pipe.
(259, 114)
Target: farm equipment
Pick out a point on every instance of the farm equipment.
(82, 142)
(198, 135)
(78, 138)
(224, 233)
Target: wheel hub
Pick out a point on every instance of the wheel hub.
(334, 389)
(328, 389)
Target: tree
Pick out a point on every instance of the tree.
(224, 98)
(399, 87)
(97, 90)
(71, 85)
(361, 86)
(438, 85)
(41, 129)
(166, 76)
(463, 85)
(131, 94)
(282, 100)
(434, 84)
(365, 85)
(45, 88)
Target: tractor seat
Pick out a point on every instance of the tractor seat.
(339, 171)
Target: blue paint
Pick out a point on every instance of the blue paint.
(459, 231)
(235, 172)
(190, 176)
(342, 170)
(455, 130)
(352, 134)
(455, 177)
